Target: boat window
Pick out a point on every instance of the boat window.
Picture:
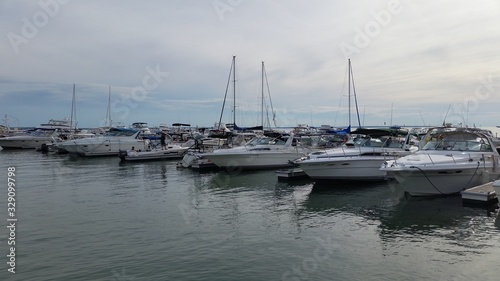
(376, 143)
(120, 133)
(431, 145)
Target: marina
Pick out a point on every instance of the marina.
(230, 225)
(250, 140)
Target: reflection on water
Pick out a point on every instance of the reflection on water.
(153, 221)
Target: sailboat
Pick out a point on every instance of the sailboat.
(221, 130)
(359, 159)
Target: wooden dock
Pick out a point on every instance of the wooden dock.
(480, 195)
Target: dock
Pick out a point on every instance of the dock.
(481, 195)
(292, 173)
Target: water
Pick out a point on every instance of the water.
(99, 219)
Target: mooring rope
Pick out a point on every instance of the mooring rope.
(435, 187)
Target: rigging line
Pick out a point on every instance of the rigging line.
(269, 93)
(446, 115)
(225, 95)
(355, 97)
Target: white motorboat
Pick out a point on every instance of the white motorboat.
(451, 160)
(259, 153)
(34, 138)
(171, 152)
(110, 143)
(359, 159)
(31, 140)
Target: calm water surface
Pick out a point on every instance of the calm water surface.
(99, 219)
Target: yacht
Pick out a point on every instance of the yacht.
(259, 153)
(359, 159)
(450, 160)
(52, 131)
(109, 143)
(30, 140)
(171, 151)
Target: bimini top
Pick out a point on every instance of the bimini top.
(380, 132)
(460, 140)
(120, 132)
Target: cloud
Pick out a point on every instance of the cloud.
(420, 59)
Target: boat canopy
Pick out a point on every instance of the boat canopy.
(120, 132)
(345, 131)
(181, 125)
(379, 132)
(247, 128)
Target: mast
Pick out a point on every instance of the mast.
(73, 110)
(354, 92)
(262, 99)
(234, 91)
(225, 94)
(108, 122)
(349, 91)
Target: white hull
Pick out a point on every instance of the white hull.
(157, 154)
(444, 182)
(254, 160)
(349, 163)
(442, 173)
(101, 146)
(358, 168)
(25, 142)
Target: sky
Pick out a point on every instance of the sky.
(414, 63)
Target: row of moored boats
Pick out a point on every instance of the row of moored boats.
(424, 161)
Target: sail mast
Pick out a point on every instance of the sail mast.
(73, 110)
(108, 122)
(354, 93)
(225, 94)
(349, 91)
(262, 99)
(234, 91)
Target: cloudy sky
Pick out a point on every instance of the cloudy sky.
(413, 62)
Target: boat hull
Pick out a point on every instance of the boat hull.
(127, 155)
(253, 161)
(442, 182)
(345, 168)
(23, 142)
(442, 174)
(100, 146)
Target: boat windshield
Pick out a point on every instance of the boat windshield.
(459, 142)
(120, 133)
(367, 141)
(265, 141)
(41, 132)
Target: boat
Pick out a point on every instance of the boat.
(60, 124)
(172, 151)
(261, 152)
(359, 159)
(450, 161)
(110, 143)
(30, 140)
